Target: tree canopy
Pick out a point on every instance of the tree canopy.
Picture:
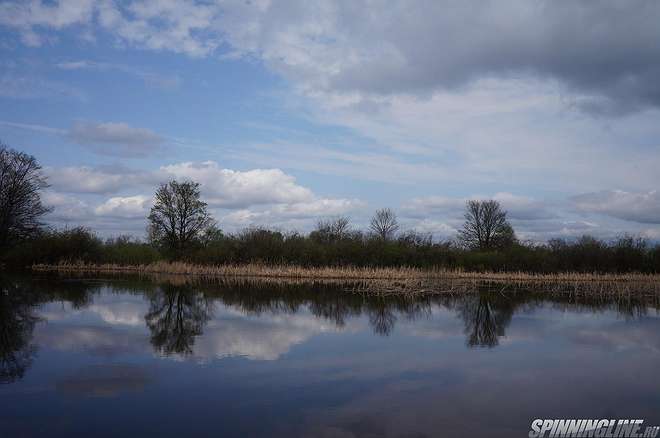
(384, 224)
(486, 226)
(178, 218)
(21, 182)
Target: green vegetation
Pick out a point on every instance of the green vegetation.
(256, 245)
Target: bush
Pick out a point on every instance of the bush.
(57, 246)
(126, 251)
(259, 245)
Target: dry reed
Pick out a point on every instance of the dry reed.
(383, 281)
(340, 273)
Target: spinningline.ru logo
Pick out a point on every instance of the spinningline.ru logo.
(591, 428)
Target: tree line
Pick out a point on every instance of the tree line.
(180, 227)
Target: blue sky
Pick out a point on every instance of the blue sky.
(290, 112)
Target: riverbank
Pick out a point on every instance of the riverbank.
(341, 273)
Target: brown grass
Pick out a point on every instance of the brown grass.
(383, 281)
(339, 273)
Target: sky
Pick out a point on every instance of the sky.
(289, 112)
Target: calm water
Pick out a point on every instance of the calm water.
(135, 358)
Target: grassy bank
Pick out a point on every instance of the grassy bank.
(340, 273)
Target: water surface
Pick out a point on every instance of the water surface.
(127, 357)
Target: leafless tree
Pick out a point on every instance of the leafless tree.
(178, 216)
(333, 229)
(21, 182)
(384, 224)
(485, 226)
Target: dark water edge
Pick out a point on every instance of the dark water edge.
(128, 356)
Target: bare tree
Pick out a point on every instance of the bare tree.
(486, 226)
(332, 230)
(21, 182)
(178, 216)
(384, 224)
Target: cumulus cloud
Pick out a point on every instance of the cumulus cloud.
(636, 207)
(98, 180)
(266, 197)
(26, 16)
(353, 47)
(221, 187)
(125, 207)
(115, 138)
(184, 27)
(356, 47)
(442, 93)
(231, 188)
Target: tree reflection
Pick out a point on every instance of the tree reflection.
(382, 318)
(176, 316)
(17, 320)
(486, 318)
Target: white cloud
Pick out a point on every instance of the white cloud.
(30, 14)
(125, 207)
(636, 207)
(231, 188)
(183, 26)
(267, 197)
(360, 49)
(85, 179)
(444, 93)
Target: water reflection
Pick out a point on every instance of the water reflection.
(133, 357)
(486, 318)
(17, 320)
(177, 315)
(254, 320)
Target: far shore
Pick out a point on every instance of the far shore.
(341, 272)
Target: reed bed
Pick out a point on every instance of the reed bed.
(381, 281)
(340, 273)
